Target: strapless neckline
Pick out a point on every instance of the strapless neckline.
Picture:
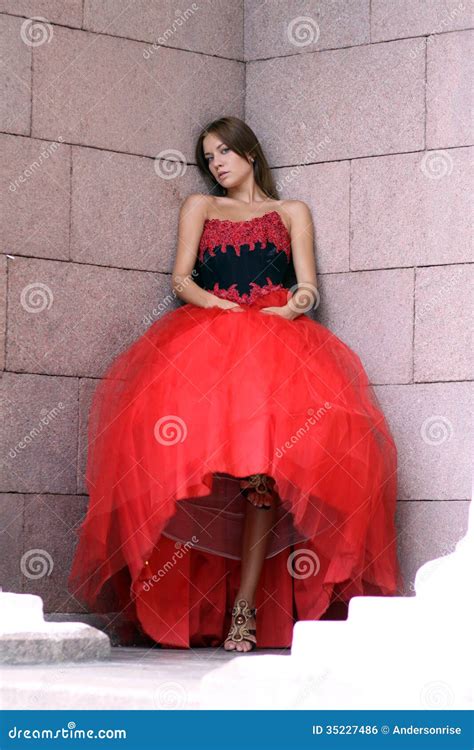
(249, 221)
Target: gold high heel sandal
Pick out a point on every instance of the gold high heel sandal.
(241, 614)
(258, 484)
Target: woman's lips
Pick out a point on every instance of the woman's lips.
(223, 174)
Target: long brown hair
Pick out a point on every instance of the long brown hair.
(239, 137)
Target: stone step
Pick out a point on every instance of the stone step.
(26, 638)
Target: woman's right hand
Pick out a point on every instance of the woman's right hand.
(226, 304)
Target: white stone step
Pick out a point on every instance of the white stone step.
(26, 638)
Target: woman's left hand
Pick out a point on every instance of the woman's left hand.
(285, 311)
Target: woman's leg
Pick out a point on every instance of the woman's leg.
(257, 527)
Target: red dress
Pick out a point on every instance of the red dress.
(207, 395)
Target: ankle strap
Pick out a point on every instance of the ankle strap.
(243, 604)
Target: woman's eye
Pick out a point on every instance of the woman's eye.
(224, 150)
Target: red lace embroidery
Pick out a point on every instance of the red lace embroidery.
(225, 232)
(245, 299)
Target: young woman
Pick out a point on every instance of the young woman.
(238, 460)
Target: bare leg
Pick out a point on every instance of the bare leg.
(257, 526)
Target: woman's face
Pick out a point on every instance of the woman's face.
(228, 168)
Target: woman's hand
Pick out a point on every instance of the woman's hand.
(226, 304)
(285, 311)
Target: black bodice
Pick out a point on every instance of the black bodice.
(243, 260)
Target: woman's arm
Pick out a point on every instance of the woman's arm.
(305, 294)
(191, 222)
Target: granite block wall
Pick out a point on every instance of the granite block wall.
(365, 112)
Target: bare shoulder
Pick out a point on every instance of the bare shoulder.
(299, 217)
(197, 205)
(298, 211)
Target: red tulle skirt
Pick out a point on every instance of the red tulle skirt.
(206, 396)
